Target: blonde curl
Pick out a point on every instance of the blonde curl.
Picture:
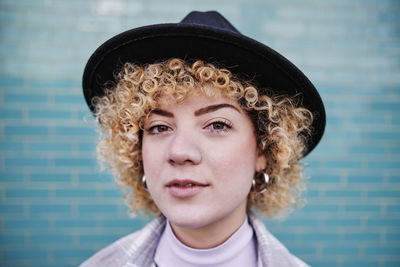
(281, 126)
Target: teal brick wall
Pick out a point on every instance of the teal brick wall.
(57, 207)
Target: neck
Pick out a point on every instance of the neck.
(213, 234)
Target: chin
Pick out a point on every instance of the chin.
(190, 220)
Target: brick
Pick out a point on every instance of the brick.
(360, 262)
(8, 50)
(326, 262)
(75, 193)
(385, 222)
(284, 237)
(311, 193)
(87, 146)
(321, 208)
(393, 237)
(384, 164)
(43, 263)
(25, 162)
(388, 193)
(25, 98)
(7, 81)
(49, 146)
(26, 224)
(367, 149)
(27, 193)
(50, 209)
(303, 250)
(11, 146)
(112, 193)
(341, 194)
(11, 177)
(49, 114)
(383, 250)
(70, 99)
(319, 236)
(123, 223)
(388, 17)
(363, 208)
(346, 250)
(12, 239)
(74, 162)
(307, 222)
(26, 130)
(15, 33)
(59, 84)
(11, 17)
(342, 222)
(94, 177)
(29, 254)
(76, 223)
(8, 209)
(382, 135)
(97, 208)
(10, 113)
(328, 179)
(386, 106)
(53, 238)
(393, 208)
(71, 253)
(362, 237)
(351, 164)
(50, 177)
(74, 131)
(364, 179)
(101, 239)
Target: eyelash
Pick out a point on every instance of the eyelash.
(152, 129)
(226, 126)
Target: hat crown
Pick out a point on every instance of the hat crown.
(210, 19)
(210, 37)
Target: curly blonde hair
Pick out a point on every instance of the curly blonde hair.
(281, 126)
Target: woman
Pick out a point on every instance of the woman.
(203, 125)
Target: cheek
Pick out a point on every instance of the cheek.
(236, 161)
(150, 157)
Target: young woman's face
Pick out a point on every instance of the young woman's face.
(199, 160)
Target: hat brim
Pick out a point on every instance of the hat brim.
(243, 56)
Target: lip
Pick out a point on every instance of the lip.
(185, 188)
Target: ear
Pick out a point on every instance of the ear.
(260, 162)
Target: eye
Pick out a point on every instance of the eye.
(219, 126)
(158, 129)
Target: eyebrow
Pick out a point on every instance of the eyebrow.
(212, 108)
(198, 112)
(163, 113)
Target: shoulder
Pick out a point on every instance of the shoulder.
(270, 250)
(136, 248)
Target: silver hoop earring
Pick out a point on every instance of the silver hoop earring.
(261, 186)
(144, 183)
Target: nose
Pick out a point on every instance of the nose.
(183, 149)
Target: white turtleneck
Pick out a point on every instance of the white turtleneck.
(239, 250)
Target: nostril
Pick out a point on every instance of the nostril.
(176, 161)
(184, 150)
(188, 157)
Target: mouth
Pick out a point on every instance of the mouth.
(185, 188)
(184, 183)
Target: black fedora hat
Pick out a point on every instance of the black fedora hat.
(210, 37)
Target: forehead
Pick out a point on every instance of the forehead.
(196, 101)
(198, 95)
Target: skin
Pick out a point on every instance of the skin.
(211, 142)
